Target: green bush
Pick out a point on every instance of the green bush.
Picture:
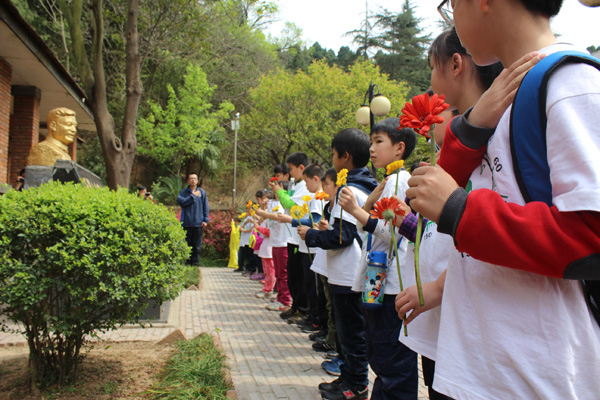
(77, 260)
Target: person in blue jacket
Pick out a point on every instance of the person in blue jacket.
(194, 215)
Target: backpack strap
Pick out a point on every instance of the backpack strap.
(528, 126)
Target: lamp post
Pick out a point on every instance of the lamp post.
(235, 126)
(374, 104)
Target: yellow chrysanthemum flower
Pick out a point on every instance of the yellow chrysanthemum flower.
(304, 208)
(252, 212)
(255, 206)
(306, 198)
(297, 212)
(394, 166)
(342, 176)
(276, 208)
(242, 215)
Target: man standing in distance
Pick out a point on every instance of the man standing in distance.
(194, 215)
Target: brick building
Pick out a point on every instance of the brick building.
(32, 82)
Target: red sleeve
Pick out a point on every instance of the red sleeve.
(264, 231)
(459, 160)
(534, 237)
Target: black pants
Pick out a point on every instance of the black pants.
(394, 364)
(428, 373)
(349, 323)
(296, 279)
(193, 236)
(312, 292)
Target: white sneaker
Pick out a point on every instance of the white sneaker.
(263, 295)
(277, 306)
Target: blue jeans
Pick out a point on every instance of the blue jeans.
(349, 323)
(394, 364)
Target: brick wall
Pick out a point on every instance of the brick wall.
(5, 98)
(24, 127)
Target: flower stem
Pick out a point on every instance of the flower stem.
(397, 179)
(432, 145)
(417, 248)
(312, 221)
(399, 273)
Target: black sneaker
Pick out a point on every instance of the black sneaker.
(345, 392)
(323, 347)
(287, 314)
(331, 354)
(239, 270)
(297, 317)
(327, 386)
(310, 328)
(313, 336)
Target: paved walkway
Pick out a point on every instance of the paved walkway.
(269, 359)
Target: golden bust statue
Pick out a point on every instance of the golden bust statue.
(62, 128)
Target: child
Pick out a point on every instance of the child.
(245, 253)
(350, 152)
(296, 163)
(394, 364)
(454, 74)
(511, 327)
(265, 252)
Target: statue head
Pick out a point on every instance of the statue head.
(62, 125)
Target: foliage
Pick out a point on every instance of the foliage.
(77, 260)
(402, 47)
(215, 236)
(173, 134)
(195, 371)
(192, 277)
(303, 111)
(167, 189)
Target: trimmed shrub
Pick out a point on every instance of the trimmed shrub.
(77, 260)
(215, 237)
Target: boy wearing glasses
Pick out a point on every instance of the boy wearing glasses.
(512, 326)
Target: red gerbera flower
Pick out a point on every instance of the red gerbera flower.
(422, 113)
(388, 209)
(273, 179)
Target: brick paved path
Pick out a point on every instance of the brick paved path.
(269, 359)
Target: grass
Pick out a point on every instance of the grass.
(192, 277)
(194, 371)
(213, 261)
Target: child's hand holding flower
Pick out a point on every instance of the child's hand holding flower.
(302, 231)
(347, 201)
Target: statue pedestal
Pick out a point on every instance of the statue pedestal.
(63, 171)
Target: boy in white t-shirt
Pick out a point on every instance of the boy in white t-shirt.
(511, 325)
(351, 152)
(394, 364)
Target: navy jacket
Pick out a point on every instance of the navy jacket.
(194, 210)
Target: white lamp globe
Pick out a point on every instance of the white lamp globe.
(380, 105)
(363, 115)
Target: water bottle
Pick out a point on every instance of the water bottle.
(292, 187)
(375, 279)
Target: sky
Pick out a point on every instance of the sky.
(326, 21)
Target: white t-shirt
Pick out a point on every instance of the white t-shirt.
(433, 261)
(506, 333)
(247, 223)
(279, 231)
(382, 238)
(343, 264)
(266, 249)
(319, 264)
(299, 192)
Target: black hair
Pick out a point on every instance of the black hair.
(448, 43)
(330, 174)
(297, 159)
(354, 142)
(264, 192)
(21, 172)
(547, 8)
(313, 170)
(281, 169)
(191, 173)
(141, 187)
(390, 126)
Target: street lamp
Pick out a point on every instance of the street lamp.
(373, 104)
(235, 126)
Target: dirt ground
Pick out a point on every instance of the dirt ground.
(109, 371)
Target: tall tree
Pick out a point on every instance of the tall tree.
(303, 111)
(402, 47)
(119, 150)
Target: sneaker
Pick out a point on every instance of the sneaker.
(327, 386)
(314, 336)
(288, 313)
(323, 347)
(294, 319)
(257, 277)
(248, 273)
(332, 367)
(263, 295)
(310, 328)
(277, 306)
(345, 392)
(331, 354)
(238, 270)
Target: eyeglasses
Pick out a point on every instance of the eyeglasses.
(445, 10)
